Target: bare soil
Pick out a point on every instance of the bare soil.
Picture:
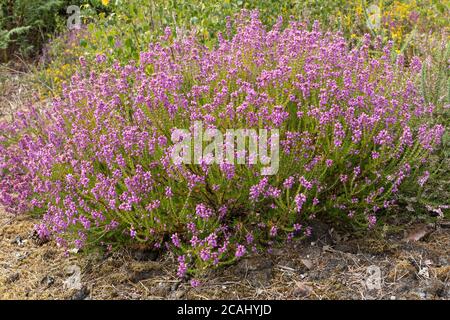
(326, 266)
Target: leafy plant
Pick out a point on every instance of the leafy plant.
(99, 165)
(26, 25)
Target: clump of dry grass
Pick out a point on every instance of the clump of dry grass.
(31, 270)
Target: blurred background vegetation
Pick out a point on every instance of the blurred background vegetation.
(26, 25)
(123, 28)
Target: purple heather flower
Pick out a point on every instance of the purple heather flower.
(240, 251)
(308, 231)
(299, 200)
(305, 183)
(212, 240)
(416, 64)
(290, 236)
(168, 192)
(176, 240)
(203, 211)
(288, 183)
(195, 283)
(205, 254)
(273, 231)
(100, 58)
(372, 221)
(249, 238)
(182, 267)
(423, 179)
(82, 61)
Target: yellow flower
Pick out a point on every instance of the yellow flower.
(359, 10)
(105, 2)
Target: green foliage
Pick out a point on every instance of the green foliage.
(25, 25)
(6, 35)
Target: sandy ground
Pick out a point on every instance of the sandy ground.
(327, 266)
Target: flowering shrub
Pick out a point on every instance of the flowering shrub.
(98, 164)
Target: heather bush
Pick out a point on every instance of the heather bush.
(98, 165)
